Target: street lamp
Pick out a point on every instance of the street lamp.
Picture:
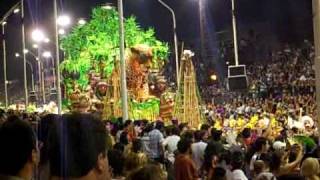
(16, 10)
(31, 68)
(48, 55)
(107, 6)
(175, 38)
(37, 35)
(40, 72)
(63, 20)
(61, 31)
(3, 22)
(46, 40)
(82, 22)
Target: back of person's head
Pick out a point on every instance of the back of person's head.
(136, 145)
(175, 131)
(119, 147)
(124, 138)
(246, 133)
(44, 127)
(216, 134)
(258, 167)
(219, 173)
(275, 162)
(310, 167)
(18, 146)
(213, 152)
(148, 172)
(237, 160)
(78, 147)
(184, 145)
(205, 127)
(259, 143)
(159, 125)
(198, 135)
(188, 135)
(127, 123)
(116, 161)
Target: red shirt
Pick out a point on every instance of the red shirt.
(184, 168)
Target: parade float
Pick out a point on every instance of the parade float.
(91, 73)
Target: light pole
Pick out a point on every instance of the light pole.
(15, 10)
(38, 36)
(31, 69)
(5, 65)
(24, 56)
(235, 38)
(48, 55)
(55, 8)
(175, 38)
(124, 95)
(40, 72)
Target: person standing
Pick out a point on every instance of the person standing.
(155, 142)
(184, 167)
(198, 149)
(18, 153)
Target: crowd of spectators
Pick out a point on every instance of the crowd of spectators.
(267, 133)
(82, 146)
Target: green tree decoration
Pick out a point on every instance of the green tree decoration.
(98, 40)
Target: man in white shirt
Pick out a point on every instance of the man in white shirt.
(170, 143)
(198, 149)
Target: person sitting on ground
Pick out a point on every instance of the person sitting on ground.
(78, 149)
(18, 152)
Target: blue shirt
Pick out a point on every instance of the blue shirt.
(156, 139)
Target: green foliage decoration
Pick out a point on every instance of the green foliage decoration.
(98, 41)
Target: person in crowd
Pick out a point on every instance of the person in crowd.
(310, 169)
(184, 167)
(116, 161)
(145, 139)
(43, 130)
(148, 172)
(19, 155)
(135, 158)
(170, 143)
(198, 148)
(219, 174)
(260, 146)
(282, 166)
(77, 149)
(237, 162)
(156, 139)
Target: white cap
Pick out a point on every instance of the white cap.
(278, 145)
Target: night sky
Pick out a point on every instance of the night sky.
(289, 20)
